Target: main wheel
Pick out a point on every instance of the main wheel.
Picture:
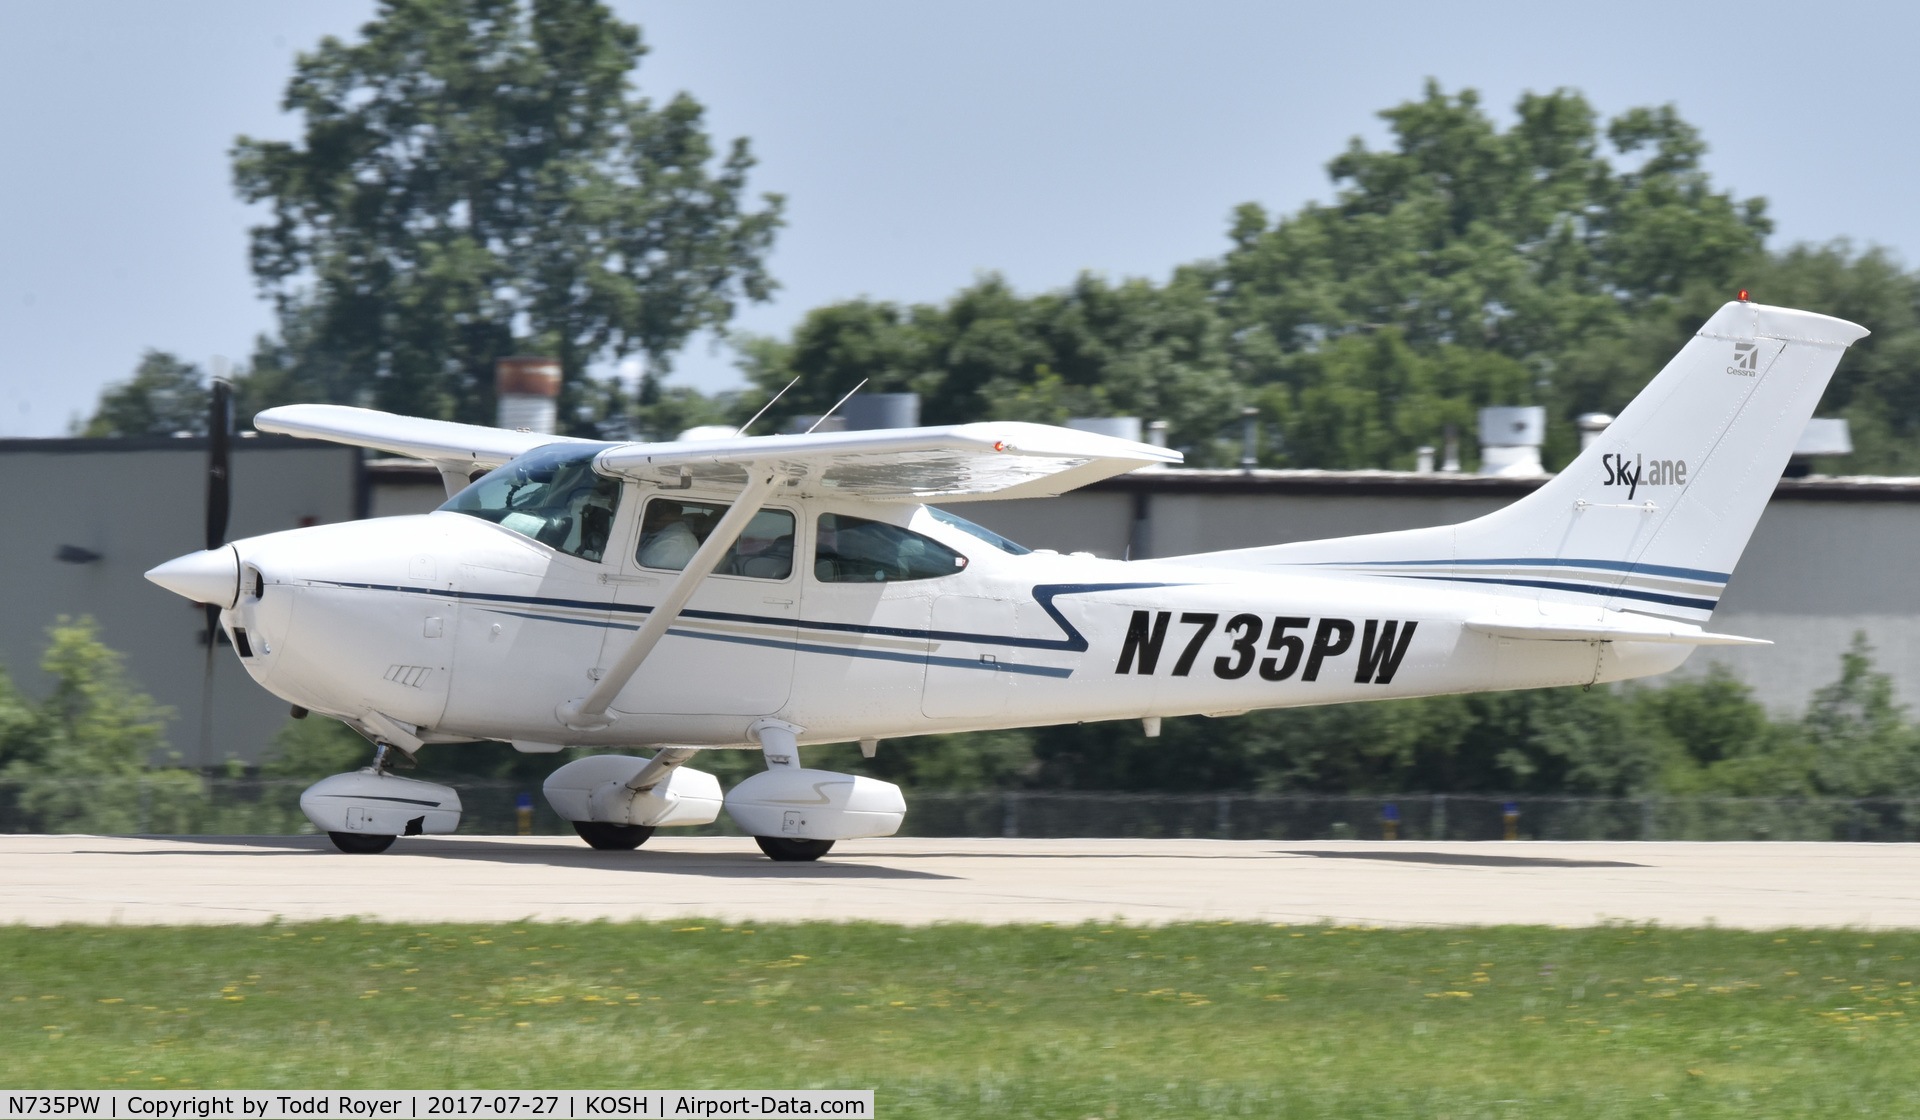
(360, 843)
(793, 851)
(613, 837)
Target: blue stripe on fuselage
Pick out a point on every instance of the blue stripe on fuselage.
(1043, 594)
(1627, 566)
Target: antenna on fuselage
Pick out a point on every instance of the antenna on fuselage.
(838, 403)
(763, 409)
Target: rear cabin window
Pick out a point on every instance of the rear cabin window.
(550, 494)
(672, 531)
(855, 550)
(981, 531)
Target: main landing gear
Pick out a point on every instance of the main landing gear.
(615, 802)
(788, 850)
(796, 814)
(613, 837)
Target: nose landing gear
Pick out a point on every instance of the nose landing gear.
(364, 812)
(361, 844)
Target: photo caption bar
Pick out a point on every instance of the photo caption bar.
(439, 1104)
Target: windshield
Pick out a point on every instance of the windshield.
(985, 534)
(550, 494)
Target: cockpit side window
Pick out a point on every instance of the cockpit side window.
(855, 550)
(673, 530)
(550, 494)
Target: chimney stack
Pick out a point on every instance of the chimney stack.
(528, 391)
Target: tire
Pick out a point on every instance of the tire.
(793, 851)
(359, 843)
(613, 837)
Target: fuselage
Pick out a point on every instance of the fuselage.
(463, 628)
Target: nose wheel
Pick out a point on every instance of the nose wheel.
(364, 843)
(360, 844)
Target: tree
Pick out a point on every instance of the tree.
(80, 759)
(165, 396)
(1095, 348)
(1877, 387)
(476, 178)
(1528, 243)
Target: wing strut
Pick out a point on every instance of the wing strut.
(589, 713)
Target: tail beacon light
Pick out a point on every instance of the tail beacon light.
(374, 803)
(816, 805)
(595, 789)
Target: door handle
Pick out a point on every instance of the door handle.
(615, 578)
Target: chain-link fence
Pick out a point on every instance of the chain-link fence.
(179, 803)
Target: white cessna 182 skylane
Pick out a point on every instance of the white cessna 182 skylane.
(779, 591)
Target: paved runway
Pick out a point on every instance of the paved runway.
(223, 879)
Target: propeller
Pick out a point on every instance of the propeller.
(219, 504)
(219, 423)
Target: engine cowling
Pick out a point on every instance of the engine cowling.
(595, 789)
(816, 805)
(375, 803)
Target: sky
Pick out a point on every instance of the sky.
(919, 145)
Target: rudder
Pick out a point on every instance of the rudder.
(1653, 516)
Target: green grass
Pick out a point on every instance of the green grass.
(1097, 1020)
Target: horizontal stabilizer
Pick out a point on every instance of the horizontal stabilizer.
(992, 459)
(1628, 628)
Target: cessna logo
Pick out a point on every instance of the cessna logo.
(1746, 360)
(1643, 472)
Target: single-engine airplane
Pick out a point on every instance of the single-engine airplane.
(775, 592)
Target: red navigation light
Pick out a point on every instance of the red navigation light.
(999, 446)
(1743, 295)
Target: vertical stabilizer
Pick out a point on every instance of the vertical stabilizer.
(1652, 516)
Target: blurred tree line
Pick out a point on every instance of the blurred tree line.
(442, 212)
(92, 754)
(1702, 735)
(476, 179)
(1560, 261)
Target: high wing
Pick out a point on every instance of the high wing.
(962, 462)
(458, 449)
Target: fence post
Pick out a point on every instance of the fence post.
(1646, 818)
(1222, 820)
(1010, 825)
(1853, 823)
(1439, 816)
